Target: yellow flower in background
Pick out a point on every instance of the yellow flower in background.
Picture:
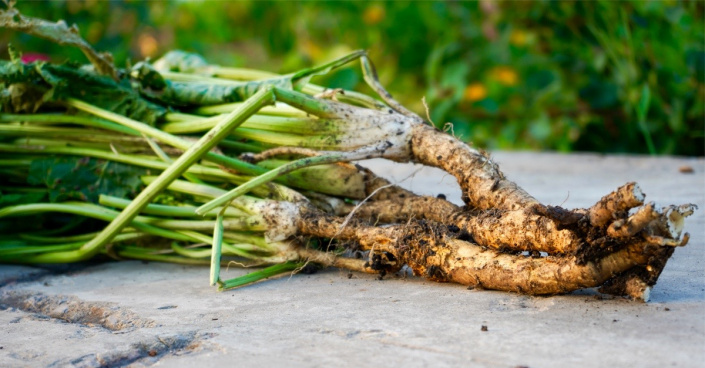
(505, 75)
(374, 14)
(474, 92)
(518, 37)
(147, 44)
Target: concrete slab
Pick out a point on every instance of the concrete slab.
(137, 314)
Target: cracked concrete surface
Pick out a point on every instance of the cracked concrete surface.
(136, 314)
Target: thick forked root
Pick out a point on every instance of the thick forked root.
(624, 254)
(438, 253)
(543, 229)
(500, 215)
(482, 183)
(481, 243)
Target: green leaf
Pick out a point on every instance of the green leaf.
(192, 94)
(84, 178)
(203, 94)
(36, 83)
(181, 61)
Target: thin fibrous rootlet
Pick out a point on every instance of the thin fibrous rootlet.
(183, 161)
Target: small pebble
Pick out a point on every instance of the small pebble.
(686, 169)
(483, 328)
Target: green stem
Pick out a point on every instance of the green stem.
(282, 170)
(58, 239)
(205, 144)
(33, 249)
(190, 253)
(136, 160)
(175, 141)
(92, 211)
(164, 210)
(228, 248)
(278, 109)
(260, 275)
(217, 249)
(164, 157)
(132, 254)
(250, 205)
(67, 119)
(304, 126)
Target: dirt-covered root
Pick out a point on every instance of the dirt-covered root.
(519, 231)
(637, 282)
(405, 209)
(443, 253)
(482, 183)
(663, 232)
(536, 229)
(510, 231)
(549, 229)
(279, 151)
(471, 265)
(328, 259)
(628, 227)
(610, 206)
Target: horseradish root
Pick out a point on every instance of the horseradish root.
(175, 162)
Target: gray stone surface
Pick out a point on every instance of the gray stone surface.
(135, 314)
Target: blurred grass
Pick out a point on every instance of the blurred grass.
(570, 76)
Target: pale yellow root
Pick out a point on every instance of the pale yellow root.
(279, 151)
(469, 264)
(482, 183)
(624, 198)
(432, 251)
(328, 259)
(502, 230)
(538, 229)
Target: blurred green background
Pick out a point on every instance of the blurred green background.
(542, 75)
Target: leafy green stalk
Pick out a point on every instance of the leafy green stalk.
(169, 139)
(91, 211)
(164, 210)
(279, 109)
(49, 119)
(205, 144)
(298, 125)
(217, 249)
(269, 176)
(260, 275)
(249, 205)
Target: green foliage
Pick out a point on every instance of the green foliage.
(84, 179)
(562, 75)
(51, 82)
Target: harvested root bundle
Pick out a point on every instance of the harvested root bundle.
(182, 132)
